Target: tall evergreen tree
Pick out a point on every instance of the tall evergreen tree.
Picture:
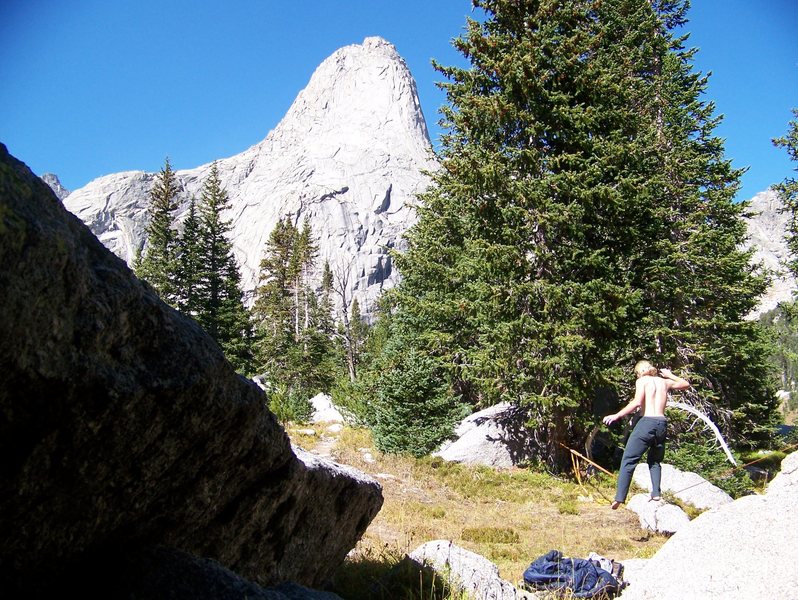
(294, 347)
(189, 263)
(156, 263)
(565, 236)
(788, 192)
(698, 285)
(220, 308)
(273, 305)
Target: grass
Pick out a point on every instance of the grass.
(509, 516)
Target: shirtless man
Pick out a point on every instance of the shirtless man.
(651, 395)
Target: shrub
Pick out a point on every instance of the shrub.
(415, 412)
(354, 399)
(289, 404)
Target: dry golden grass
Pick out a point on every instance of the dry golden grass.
(509, 516)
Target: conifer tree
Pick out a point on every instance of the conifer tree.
(273, 305)
(326, 306)
(572, 227)
(189, 263)
(219, 300)
(788, 192)
(156, 263)
(294, 347)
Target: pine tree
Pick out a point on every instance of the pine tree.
(273, 305)
(189, 263)
(572, 225)
(294, 347)
(698, 286)
(219, 301)
(788, 192)
(326, 306)
(156, 263)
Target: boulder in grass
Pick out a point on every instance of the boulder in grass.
(467, 572)
(324, 410)
(658, 515)
(495, 437)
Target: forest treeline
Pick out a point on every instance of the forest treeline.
(583, 218)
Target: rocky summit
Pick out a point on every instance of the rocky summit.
(349, 155)
(127, 437)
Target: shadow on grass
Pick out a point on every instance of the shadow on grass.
(386, 578)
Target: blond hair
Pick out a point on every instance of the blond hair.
(644, 367)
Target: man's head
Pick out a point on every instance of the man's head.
(643, 368)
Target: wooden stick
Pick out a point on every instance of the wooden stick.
(599, 467)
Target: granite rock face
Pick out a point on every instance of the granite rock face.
(122, 425)
(348, 156)
(52, 180)
(767, 227)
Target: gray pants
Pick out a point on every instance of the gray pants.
(648, 434)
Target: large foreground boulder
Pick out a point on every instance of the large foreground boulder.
(123, 427)
(745, 549)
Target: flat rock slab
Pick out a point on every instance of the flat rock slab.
(687, 487)
(745, 549)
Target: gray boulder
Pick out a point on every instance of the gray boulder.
(687, 487)
(467, 571)
(658, 516)
(745, 549)
(495, 437)
(122, 426)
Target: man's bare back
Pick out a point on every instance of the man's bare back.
(651, 395)
(654, 391)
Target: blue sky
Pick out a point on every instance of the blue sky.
(91, 87)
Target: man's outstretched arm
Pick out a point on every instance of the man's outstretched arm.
(633, 405)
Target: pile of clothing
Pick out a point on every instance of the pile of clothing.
(591, 577)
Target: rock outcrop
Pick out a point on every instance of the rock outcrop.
(767, 227)
(123, 427)
(52, 180)
(348, 155)
(745, 549)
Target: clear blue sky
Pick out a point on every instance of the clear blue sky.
(91, 87)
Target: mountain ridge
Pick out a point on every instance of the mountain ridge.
(350, 155)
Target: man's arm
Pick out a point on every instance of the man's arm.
(633, 405)
(674, 382)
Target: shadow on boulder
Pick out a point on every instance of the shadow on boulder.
(122, 426)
